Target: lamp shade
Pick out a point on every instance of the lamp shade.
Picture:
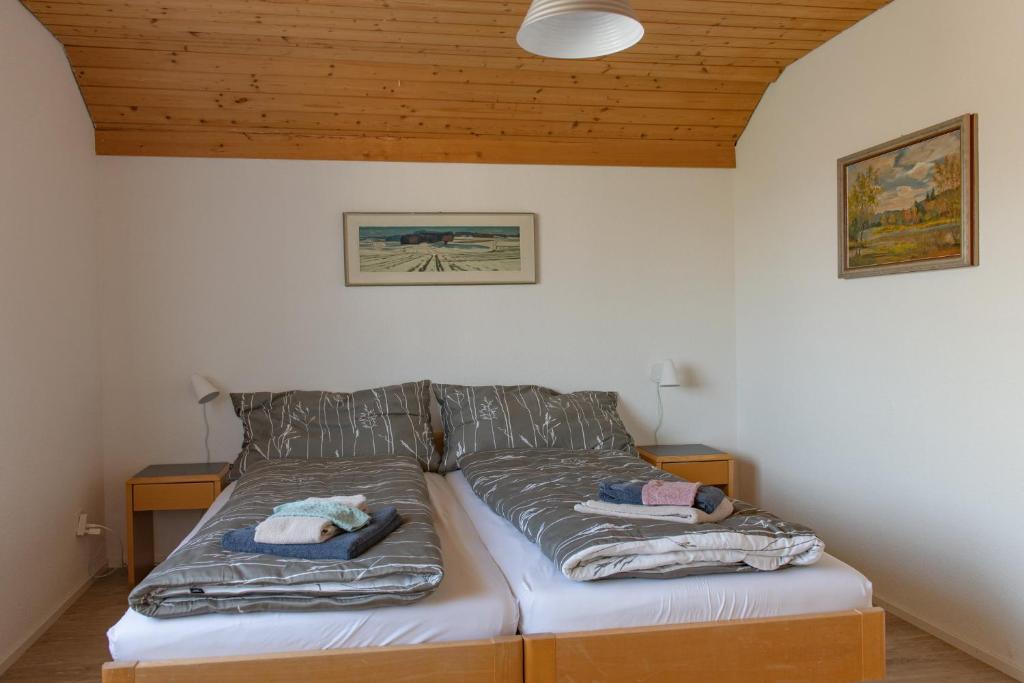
(204, 390)
(665, 374)
(579, 29)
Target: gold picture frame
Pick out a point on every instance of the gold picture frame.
(911, 204)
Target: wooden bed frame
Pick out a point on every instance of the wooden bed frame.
(498, 660)
(837, 647)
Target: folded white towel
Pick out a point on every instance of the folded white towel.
(663, 513)
(295, 530)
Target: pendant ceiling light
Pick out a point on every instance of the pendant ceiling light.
(579, 29)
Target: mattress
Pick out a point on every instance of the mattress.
(472, 602)
(551, 603)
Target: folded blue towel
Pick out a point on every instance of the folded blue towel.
(631, 493)
(622, 492)
(708, 498)
(344, 546)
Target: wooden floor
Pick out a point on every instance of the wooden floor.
(75, 647)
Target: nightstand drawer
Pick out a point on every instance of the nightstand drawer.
(173, 496)
(713, 473)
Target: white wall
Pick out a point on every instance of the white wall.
(887, 411)
(234, 268)
(50, 461)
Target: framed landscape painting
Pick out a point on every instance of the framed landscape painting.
(911, 203)
(440, 248)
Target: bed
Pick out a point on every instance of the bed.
(465, 629)
(810, 623)
(804, 624)
(526, 621)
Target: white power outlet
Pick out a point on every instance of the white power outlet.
(82, 524)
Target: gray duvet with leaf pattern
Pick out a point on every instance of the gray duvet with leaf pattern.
(536, 490)
(201, 577)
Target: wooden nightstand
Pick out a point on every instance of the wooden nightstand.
(694, 462)
(164, 487)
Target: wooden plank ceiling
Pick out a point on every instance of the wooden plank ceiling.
(426, 80)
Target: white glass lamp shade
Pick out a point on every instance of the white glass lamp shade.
(665, 374)
(204, 390)
(579, 29)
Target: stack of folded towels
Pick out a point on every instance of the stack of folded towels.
(666, 501)
(335, 528)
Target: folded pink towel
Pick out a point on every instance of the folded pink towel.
(657, 492)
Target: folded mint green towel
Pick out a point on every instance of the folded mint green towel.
(345, 517)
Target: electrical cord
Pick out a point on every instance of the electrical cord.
(661, 412)
(120, 543)
(206, 441)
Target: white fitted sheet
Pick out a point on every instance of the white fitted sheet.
(551, 603)
(472, 602)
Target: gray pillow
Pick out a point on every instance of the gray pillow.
(486, 418)
(393, 420)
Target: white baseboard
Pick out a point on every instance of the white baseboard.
(35, 635)
(996, 662)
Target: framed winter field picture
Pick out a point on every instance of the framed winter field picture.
(911, 203)
(440, 248)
